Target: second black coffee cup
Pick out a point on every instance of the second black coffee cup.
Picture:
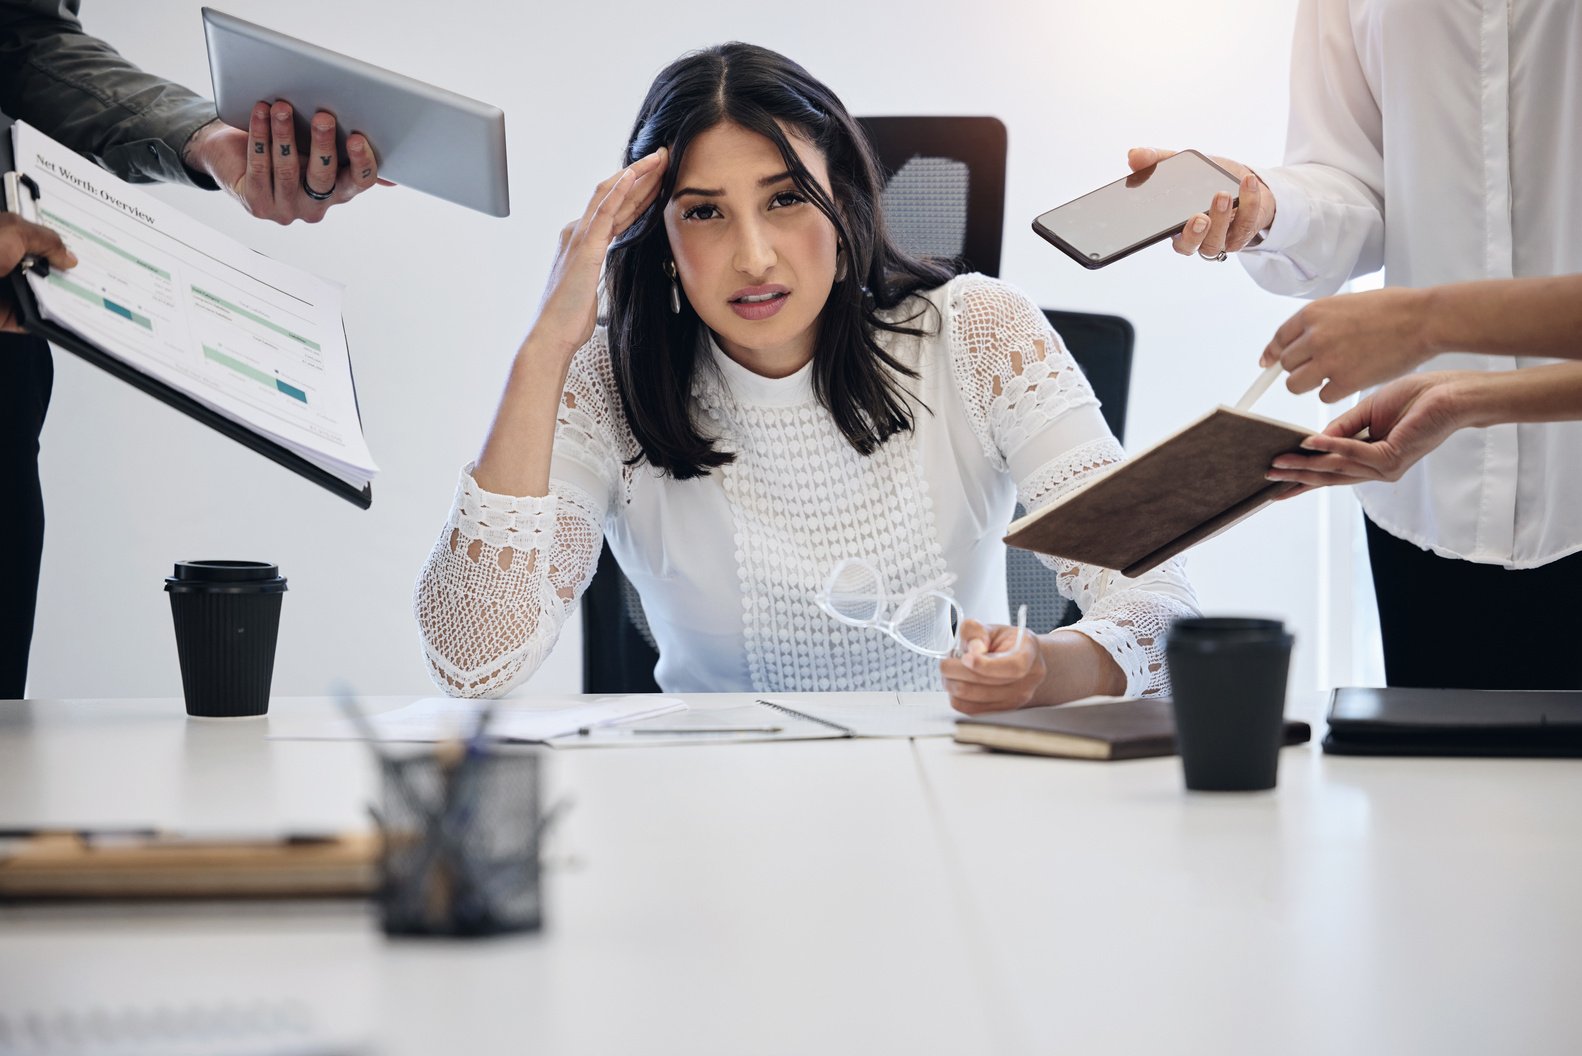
(227, 616)
(1228, 678)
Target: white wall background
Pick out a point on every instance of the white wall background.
(438, 297)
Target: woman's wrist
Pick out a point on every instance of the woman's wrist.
(1076, 666)
(516, 454)
(1468, 398)
(1478, 400)
(540, 349)
(1437, 310)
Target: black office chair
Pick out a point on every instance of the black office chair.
(944, 191)
(618, 650)
(1102, 347)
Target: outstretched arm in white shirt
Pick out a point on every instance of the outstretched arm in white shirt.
(1308, 226)
(1385, 434)
(1359, 340)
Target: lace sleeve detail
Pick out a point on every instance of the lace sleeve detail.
(1036, 416)
(593, 443)
(500, 582)
(1014, 373)
(506, 572)
(1128, 617)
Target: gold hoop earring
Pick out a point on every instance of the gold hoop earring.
(675, 290)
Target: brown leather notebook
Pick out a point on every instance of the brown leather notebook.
(1121, 729)
(1185, 489)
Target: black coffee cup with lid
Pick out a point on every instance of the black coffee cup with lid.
(227, 616)
(1228, 680)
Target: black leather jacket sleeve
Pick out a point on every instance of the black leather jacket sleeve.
(79, 91)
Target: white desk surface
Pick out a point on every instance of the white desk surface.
(858, 897)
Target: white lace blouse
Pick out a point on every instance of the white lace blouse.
(728, 564)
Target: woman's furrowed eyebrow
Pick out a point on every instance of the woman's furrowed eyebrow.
(705, 192)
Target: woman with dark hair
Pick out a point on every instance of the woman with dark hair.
(791, 434)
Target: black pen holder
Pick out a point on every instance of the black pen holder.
(461, 844)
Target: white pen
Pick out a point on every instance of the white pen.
(1021, 630)
(1259, 387)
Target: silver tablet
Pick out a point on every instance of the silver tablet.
(424, 137)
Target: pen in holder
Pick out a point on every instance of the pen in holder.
(461, 831)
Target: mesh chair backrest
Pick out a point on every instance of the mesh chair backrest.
(632, 603)
(944, 193)
(925, 204)
(1102, 347)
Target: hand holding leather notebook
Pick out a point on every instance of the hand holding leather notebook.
(1120, 729)
(1185, 489)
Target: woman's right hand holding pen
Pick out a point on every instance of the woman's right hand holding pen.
(569, 311)
(1222, 227)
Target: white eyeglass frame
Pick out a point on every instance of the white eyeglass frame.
(903, 606)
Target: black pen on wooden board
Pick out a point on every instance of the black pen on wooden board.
(142, 837)
(705, 729)
(587, 731)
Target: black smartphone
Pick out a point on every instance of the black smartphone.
(1146, 207)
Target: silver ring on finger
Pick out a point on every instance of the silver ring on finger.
(1220, 256)
(317, 196)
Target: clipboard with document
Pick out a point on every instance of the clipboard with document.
(251, 347)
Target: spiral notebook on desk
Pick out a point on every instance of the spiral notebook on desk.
(253, 348)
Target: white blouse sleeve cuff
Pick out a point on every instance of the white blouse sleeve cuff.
(1130, 619)
(523, 523)
(1142, 665)
(1293, 214)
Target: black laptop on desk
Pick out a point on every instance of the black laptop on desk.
(1495, 722)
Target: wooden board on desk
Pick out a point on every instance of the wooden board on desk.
(68, 865)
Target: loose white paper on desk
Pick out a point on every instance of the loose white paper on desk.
(896, 715)
(734, 718)
(443, 718)
(256, 340)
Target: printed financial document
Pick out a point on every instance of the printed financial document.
(256, 340)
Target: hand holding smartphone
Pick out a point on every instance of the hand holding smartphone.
(1148, 206)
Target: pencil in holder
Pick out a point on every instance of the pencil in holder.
(461, 843)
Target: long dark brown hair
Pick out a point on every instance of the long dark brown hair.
(654, 350)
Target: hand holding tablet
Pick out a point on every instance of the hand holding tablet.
(265, 168)
(419, 132)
